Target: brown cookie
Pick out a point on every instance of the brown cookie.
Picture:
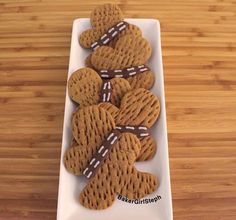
(129, 51)
(116, 175)
(102, 19)
(137, 103)
(139, 107)
(85, 87)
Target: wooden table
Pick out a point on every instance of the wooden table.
(199, 51)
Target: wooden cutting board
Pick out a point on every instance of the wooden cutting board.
(199, 52)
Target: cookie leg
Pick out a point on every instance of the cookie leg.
(98, 194)
(139, 184)
(148, 149)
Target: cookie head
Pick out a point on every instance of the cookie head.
(139, 107)
(84, 87)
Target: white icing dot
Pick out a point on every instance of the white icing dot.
(110, 136)
(91, 162)
(144, 128)
(103, 36)
(144, 69)
(119, 24)
(114, 139)
(95, 43)
(104, 75)
(105, 152)
(118, 75)
(129, 127)
(90, 173)
(101, 148)
(132, 73)
(106, 41)
(110, 30)
(96, 164)
(108, 96)
(85, 170)
(132, 68)
(143, 134)
(115, 33)
(121, 28)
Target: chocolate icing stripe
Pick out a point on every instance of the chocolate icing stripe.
(109, 35)
(139, 131)
(124, 73)
(112, 138)
(101, 154)
(106, 91)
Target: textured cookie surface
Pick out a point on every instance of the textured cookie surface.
(120, 87)
(139, 107)
(148, 148)
(84, 87)
(144, 80)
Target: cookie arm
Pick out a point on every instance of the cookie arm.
(99, 193)
(74, 159)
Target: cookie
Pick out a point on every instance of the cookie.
(137, 105)
(130, 52)
(103, 19)
(116, 174)
(86, 87)
(139, 108)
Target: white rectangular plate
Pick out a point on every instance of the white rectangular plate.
(70, 186)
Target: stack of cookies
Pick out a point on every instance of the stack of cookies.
(112, 125)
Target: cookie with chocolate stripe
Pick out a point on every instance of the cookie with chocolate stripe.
(86, 87)
(126, 60)
(107, 25)
(105, 156)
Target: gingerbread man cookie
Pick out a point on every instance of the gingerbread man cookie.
(105, 156)
(127, 60)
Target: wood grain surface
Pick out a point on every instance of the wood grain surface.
(199, 52)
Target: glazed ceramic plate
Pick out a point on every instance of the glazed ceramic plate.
(157, 206)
